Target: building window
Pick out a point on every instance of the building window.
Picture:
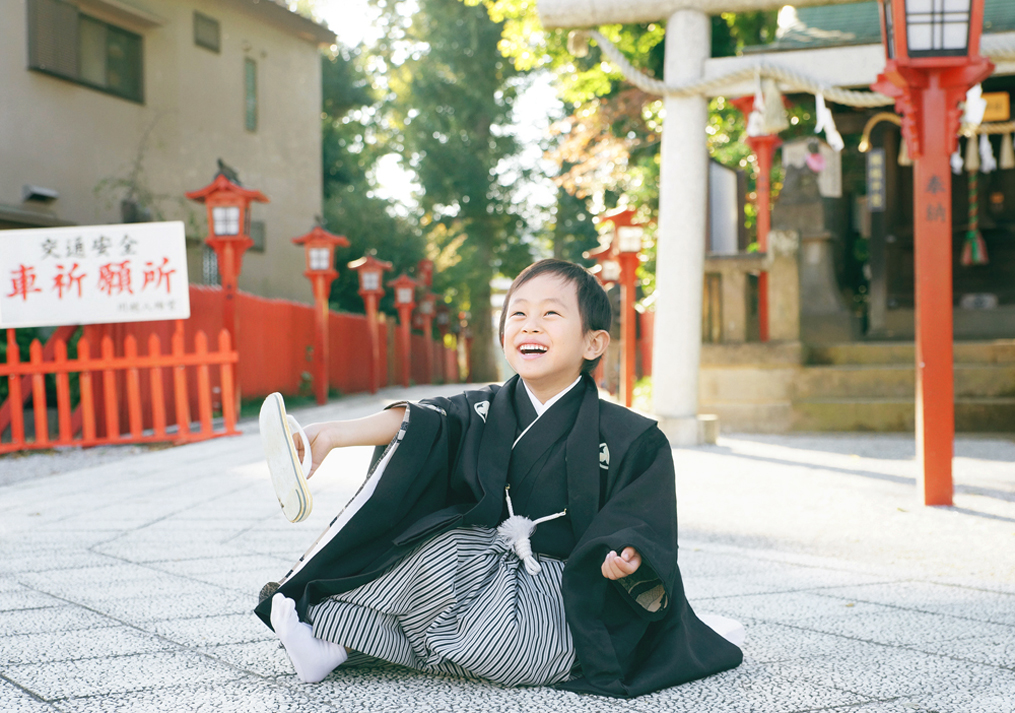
(250, 93)
(257, 234)
(206, 32)
(67, 44)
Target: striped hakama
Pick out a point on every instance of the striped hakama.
(461, 603)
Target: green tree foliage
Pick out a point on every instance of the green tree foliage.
(352, 145)
(449, 103)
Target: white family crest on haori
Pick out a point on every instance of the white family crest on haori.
(604, 456)
(482, 408)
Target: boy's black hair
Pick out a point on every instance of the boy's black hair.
(593, 304)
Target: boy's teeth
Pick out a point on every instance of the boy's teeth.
(532, 349)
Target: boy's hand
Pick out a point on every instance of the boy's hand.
(617, 566)
(320, 444)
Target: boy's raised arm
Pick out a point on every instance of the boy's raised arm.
(375, 430)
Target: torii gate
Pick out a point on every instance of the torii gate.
(683, 187)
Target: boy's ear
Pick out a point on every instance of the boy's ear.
(596, 343)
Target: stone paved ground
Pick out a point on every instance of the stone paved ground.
(126, 582)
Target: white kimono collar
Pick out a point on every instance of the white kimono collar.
(541, 407)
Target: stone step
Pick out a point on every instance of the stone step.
(986, 415)
(889, 381)
(999, 351)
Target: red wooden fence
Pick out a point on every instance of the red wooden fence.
(101, 378)
(273, 352)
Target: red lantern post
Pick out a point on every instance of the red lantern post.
(320, 246)
(424, 273)
(626, 243)
(763, 147)
(426, 312)
(228, 206)
(932, 59)
(370, 271)
(443, 315)
(405, 300)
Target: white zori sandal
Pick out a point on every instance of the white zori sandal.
(288, 474)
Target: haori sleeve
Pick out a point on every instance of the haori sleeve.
(640, 512)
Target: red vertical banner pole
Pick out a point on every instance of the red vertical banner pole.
(932, 226)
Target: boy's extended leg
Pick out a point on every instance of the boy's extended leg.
(312, 658)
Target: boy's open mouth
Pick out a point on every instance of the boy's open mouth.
(532, 349)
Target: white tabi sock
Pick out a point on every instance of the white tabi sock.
(312, 658)
(730, 629)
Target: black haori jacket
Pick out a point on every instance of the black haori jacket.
(449, 467)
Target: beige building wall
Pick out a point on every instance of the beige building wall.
(72, 138)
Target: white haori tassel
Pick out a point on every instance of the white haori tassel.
(972, 155)
(1007, 152)
(827, 123)
(987, 161)
(517, 530)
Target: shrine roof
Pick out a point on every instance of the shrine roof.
(857, 24)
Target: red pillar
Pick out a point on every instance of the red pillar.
(763, 147)
(932, 226)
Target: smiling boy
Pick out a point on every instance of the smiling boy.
(595, 479)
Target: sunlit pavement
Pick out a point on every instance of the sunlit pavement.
(128, 585)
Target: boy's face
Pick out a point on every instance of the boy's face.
(543, 337)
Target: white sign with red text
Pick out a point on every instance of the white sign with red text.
(95, 274)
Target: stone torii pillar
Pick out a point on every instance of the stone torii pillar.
(683, 188)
